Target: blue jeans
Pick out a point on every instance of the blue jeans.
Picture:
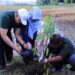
(59, 65)
(72, 60)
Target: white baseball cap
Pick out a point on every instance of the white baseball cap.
(23, 13)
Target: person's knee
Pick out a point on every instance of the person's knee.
(72, 59)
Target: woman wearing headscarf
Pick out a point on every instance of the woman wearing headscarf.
(35, 16)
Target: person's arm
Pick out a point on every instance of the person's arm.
(21, 41)
(55, 59)
(18, 36)
(63, 53)
(52, 59)
(7, 40)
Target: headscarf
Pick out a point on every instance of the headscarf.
(35, 13)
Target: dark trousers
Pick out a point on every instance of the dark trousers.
(6, 53)
(70, 60)
(58, 65)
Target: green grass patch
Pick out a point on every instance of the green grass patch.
(16, 6)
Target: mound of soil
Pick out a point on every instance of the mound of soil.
(21, 69)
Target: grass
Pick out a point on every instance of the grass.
(30, 6)
(47, 10)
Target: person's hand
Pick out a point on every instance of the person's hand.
(27, 46)
(18, 49)
(43, 61)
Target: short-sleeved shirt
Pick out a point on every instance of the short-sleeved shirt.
(7, 20)
(65, 50)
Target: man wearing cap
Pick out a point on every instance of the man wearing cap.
(26, 35)
(62, 52)
(9, 19)
(29, 31)
(23, 39)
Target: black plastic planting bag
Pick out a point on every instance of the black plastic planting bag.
(27, 55)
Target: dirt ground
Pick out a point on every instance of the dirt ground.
(18, 68)
(65, 26)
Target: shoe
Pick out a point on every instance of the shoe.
(2, 68)
(9, 63)
(72, 69)
(53, 70)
